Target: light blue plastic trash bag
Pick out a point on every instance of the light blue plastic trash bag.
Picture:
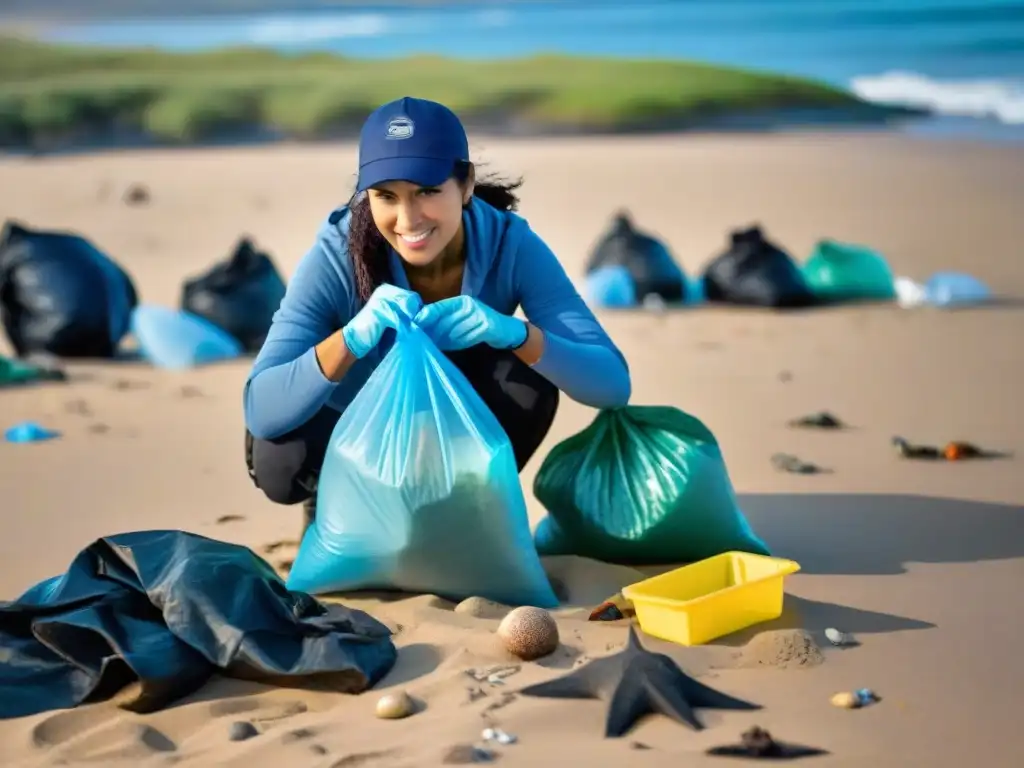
(953, 289)
(419, 491)
(610, 287)
(170, 338)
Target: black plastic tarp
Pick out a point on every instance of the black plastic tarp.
(754, 271)
(61, 295)
(166, 610)
(239, 295)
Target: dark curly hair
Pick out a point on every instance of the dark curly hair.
(368, 248)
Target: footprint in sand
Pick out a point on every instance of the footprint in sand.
(272, 547)
(118, 739)
(229, 519)
(258, 711)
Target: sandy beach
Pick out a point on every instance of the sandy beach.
(921, 561)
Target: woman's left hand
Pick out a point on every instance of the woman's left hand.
(463, 322)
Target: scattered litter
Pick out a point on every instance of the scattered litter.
(136, 194)
(498, 735)
(395, 706)
(606, 611)
(29, 432)
(820, 420)
(493, 674)
(839, 639)
(943, 289)
(240, 730)
(758, 743)
(20, 372)
(955, 450)
(854, 699)
(786, 462)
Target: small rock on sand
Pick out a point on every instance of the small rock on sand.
(240, 730)
(481, 608)
(466, 754)
(781, 649)
(395, 706)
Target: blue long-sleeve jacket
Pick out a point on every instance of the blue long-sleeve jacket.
(507, 266)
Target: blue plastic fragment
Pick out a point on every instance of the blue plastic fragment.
(29, 432)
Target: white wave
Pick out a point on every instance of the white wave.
(1002, 100)
(291, 31)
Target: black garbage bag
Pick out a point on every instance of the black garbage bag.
(647, 259)
(61, 295)
(753, 271)
(239, 296)
(166, 610)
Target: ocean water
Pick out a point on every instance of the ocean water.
(962, 59)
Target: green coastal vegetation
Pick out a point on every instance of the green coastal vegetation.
(57, 94)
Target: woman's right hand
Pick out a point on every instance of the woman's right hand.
(386, 306)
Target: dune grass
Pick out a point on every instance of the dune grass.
(50, 92)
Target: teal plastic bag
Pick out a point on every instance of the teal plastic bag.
(640, 485)
(841, 272)
(420, 491)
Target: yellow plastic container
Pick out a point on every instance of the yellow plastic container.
(711, 598)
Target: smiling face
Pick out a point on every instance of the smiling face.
(419, 222)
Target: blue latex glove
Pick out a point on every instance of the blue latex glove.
(385, 309)
(463, 322)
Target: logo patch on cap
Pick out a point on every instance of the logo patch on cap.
(400, 128)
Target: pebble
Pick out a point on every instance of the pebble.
(498, 735)
(854, 699)
(838, 638)
(240, 730)
(463, 754)
(394, 706)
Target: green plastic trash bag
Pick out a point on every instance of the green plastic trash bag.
(641, 484)
(839, 272)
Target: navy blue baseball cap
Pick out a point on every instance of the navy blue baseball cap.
(410, 140)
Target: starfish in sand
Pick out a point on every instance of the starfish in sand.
(636, 682)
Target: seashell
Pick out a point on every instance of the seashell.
(529, 633)
(845, 700)
(240, 730)
(394, 706)
(837, 638)
(498, 735)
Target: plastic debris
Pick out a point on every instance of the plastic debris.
(785, 462)
(29, 432)
(943, 290)
(955, 450)
(820, 420)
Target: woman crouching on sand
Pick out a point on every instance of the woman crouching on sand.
(424, 238)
